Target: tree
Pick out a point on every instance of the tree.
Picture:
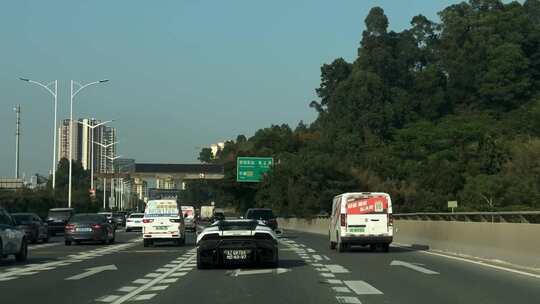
(206, 155)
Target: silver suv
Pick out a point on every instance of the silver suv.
(12, 240)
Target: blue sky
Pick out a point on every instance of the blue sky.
(184, 73)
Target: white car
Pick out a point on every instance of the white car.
(361, 218)
(12, 240)
(134, 222)
(189, 218)
(163, 221)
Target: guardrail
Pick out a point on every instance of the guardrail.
(529, 217)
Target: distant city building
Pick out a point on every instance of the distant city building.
(166, 183)
(8, 183)
(63, 140)
(124, 165)
(83, 136)
(216, 148)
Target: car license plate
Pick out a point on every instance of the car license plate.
(161, 227)
(83, 229)
(356, 229)
(137, 222)
(236, 254)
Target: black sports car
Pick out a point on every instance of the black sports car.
(237, 242)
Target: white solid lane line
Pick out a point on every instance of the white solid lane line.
(40, 246)
(92, 271)
(532, 275)
(413, 267)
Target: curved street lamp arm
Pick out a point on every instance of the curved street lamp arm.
(86, 85)
(46, 87)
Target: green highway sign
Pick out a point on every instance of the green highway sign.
(252, 169)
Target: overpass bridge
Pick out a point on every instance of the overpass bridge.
(166, 175)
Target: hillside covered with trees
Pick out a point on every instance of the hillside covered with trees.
(436, 112)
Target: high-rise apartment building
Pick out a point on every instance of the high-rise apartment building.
(84, 139)
(63, 140)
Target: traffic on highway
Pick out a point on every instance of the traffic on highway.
(241, 259)
(267, 152)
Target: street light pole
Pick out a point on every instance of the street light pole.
(17, 141)
(72, 95)
(112, 159)
(106, 171)
(55, 95)
(92, 127)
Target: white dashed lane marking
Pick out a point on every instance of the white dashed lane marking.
(362, 288)
(155, 281)
(31, 269)
(348, 300)
(343, 289)
(337, 269)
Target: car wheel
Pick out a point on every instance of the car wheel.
(275, 263)
(147, 243)
(46, 239)
(386, 247)
(200, 264)
(113, 238)
(128, 230)
(77, 242)
(22, 255)
(67, 243)
(341, 247)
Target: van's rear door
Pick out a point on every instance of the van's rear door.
(367, 214)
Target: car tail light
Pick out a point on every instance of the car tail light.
(343, 219)
(96, 226)
(175, 220)
(390, 220)
(70, 227)
(129, 221)
(146, 221)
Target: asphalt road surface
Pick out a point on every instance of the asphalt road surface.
(309, 272)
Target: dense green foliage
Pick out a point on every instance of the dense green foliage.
(40, 201)
(437, 112)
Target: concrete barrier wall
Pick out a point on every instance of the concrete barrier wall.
(509, 242)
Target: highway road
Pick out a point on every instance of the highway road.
(309, 272)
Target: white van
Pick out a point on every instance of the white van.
(163, 221)
(361, 218)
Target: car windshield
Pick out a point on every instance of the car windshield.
(262, 214)
(118, 215)
(22, 218)
(88, 218)
(60, 215)
(236, 225)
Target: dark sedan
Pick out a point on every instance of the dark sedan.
(32, 225)
(263, 214)
(58, 218)
(89, 227)
(119, 219)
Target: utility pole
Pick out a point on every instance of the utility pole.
(17, 140)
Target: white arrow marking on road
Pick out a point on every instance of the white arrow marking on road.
(239, 272)
(413, 267)
(92, 271)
